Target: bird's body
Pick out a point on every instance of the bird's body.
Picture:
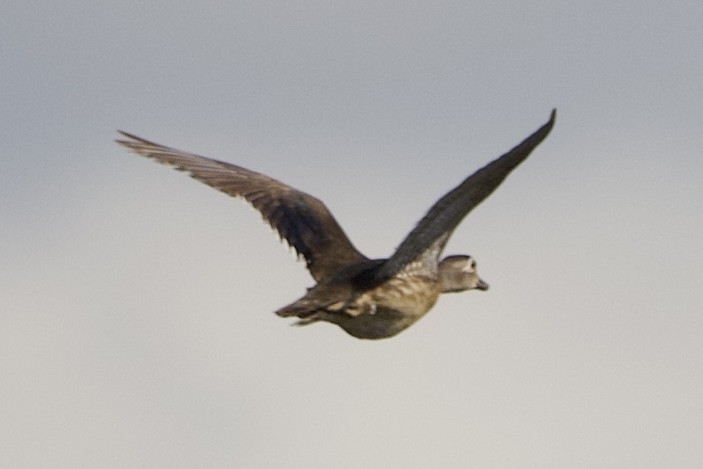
(366, 310)
(369, 299)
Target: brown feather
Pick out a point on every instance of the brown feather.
(302, 220)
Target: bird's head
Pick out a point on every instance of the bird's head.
(458, 273)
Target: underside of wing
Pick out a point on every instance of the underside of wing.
(301, 219)
(433, 231)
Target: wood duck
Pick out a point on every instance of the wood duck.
(368, 298)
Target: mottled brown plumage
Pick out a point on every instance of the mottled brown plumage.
(369, 299)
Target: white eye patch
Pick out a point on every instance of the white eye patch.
(470, 266)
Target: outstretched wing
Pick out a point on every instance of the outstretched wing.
(433, 231)
(301, 219)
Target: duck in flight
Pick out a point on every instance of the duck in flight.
(368, 298)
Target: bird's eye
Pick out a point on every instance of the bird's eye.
(473, 264)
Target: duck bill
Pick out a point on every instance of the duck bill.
(481, 285)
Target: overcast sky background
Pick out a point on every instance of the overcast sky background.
(136, 325)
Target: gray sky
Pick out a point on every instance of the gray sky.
(136, 325)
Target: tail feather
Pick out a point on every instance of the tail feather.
(303, 308)
(306, 322)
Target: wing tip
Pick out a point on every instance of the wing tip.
(133, 139)
(552, 118)
(541, 133)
